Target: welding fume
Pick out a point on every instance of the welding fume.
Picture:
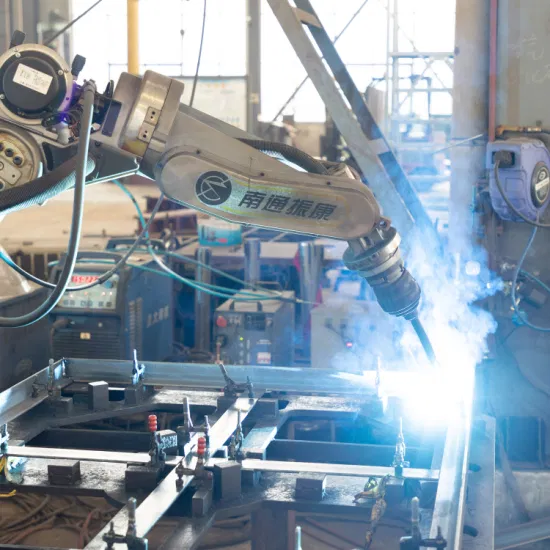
(61, 134)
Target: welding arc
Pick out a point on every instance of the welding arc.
(424, 340)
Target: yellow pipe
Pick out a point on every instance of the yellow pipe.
(133, 36)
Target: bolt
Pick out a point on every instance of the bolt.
(131, 516)
(180, 470)
(17, 54)
(60, 72)
(2, 96)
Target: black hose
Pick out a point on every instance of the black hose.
(51, 301)
(102, 278)
(424, 340)
(290, 153)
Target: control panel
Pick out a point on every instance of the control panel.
(99, 297)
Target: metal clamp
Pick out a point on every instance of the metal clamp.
(236, 441)
(138, 371)
(232, 389)
(399, 462)
(415, 541)
(132, 541)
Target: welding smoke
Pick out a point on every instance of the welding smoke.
(451, 310)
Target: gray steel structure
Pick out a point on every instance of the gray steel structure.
(41, 405)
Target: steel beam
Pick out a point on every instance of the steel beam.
(27, 394)
(278, 379)
(79, 454)
(450, 499)
(369, 126)
(365, 151)
(349, 470)
(344, 453)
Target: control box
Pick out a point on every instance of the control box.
(131, 310)
(256, 332)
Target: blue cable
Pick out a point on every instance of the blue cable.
(517, 271)
(193, 284)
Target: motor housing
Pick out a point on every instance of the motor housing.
(34, 83)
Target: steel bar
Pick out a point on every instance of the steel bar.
(27, 394)
(365, 150)
(523, 534)
(301, 85)
(451, 491)
(203, 376)
(481, 486)
(79, 454)
(344, 453)
(164, 495)
(350, 470)
(388, 161)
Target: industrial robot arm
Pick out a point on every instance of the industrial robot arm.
(195, 159)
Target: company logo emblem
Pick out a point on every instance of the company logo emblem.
(213, 188)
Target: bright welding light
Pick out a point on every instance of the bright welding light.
(433, 399)
(472, 268)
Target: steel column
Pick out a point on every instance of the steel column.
(202, 300)
(470, 117)
(253, 65)
(252, 261)
(450, 499)
(133, 36)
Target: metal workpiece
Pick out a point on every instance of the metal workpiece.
(252, 261)
(365, 150)
(523, 534)
(79, 454)
(209, 377)
(203, 315)
(163, 496)
(450, 502)
(348, 470)
(29, 393)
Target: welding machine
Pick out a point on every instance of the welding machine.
(131, 310)
(250, 332)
